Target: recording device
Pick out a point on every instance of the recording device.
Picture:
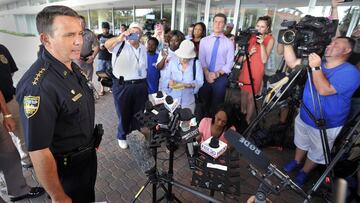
(165, 48)
(213, 147)
(347, 1)
(133, 36)
(250, 151)
(310, 34)
(243, 36)
(157, 98)
(256, 157)
(171, 104)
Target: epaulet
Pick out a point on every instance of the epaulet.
(38, 76)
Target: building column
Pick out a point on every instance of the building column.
(182, 15)
(134, 13)
(161, 10)
(173, 14)
(112, 21)
(236, 16)
(198, 15)
(207, 12)
(89, 20)
(312, 5)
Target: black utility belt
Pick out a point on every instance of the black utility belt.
(131, 82)
(75, 157)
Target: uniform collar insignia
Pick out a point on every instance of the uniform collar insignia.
(38, 75)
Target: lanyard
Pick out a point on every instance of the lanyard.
(136, 56)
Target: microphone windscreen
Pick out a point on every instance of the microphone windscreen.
(139, 148)
(163, 117)
(148, 106)
(185, 114)
(159, 94)
(169, 99)
(249, 150)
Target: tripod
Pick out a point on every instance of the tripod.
(348, 143)
(243, 51)
(161, 179)
(273, 100)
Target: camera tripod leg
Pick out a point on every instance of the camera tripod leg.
(141, 190)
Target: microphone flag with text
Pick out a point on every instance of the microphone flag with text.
(249, 150)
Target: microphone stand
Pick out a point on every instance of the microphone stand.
(160, 179)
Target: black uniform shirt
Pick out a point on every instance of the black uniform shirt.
(56, 106)
(7, 67)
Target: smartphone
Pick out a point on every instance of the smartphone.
(347, 1)
(133, 36)
(165, 48)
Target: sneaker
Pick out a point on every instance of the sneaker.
(301, 178)
(123, 144)
(290, 166)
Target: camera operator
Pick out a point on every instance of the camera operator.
(260, 47)
(335, 80)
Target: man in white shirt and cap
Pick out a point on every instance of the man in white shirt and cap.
(129, 62)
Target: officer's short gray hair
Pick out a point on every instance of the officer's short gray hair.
(45, 19)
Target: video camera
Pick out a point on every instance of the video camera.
(310, 34)
(242, 37)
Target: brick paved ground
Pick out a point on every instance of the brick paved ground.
(119, 177)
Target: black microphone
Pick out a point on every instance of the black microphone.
(253, 154)
(171, 104)
(163, 119)
(185, 114)
(148, 106)
(139, 148)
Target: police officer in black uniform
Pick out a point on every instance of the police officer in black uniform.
(57, 110)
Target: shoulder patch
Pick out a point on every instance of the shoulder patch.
(31, 105)
(38, 76)
(3, 59)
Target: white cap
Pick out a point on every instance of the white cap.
(186, 50)
(135, 25)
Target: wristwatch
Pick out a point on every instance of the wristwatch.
(316, 68)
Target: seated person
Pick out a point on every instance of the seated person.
(217, 125)
(184, 80)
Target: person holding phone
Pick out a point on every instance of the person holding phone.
(129, 62)
(260, 47)
(167, 55)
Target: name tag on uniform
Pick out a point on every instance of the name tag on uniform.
(77, 97)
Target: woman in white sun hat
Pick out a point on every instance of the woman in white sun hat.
(186, 75)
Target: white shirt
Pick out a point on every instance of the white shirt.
(131, 63)
(164, 73)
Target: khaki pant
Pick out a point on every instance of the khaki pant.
(18, 139)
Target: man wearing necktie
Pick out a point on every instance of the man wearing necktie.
(216, 54)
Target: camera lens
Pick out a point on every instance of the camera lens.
(288, 37)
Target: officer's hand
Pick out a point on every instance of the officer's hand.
(314, 60)
(9, 124)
